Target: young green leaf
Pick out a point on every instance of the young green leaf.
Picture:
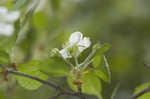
(97, 60)
(142, 87)
(30, 68)
(55, 67)
(101, 74)
(100, 49)
(30, 84)
(91, 85)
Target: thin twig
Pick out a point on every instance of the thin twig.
(141, 93)
(76, 60)
(107, 67)
(88, 63)
(77, 94)
(87, 59)
(61, 91)
(57, 95)
(34, 78)
(68, 62)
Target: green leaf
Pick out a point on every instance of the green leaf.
(100, 50)
(142, 87)
(104, 48)
(55, 67)
(4, 58)
(101, 74)
(97, 60)
(91, 85)
(30, 68)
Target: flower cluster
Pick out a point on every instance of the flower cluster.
(76, 40)
(6, 21)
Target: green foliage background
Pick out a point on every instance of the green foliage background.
(124, 24)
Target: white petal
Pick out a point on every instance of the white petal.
(84, 43)
(12, 16)
(64, 53)
(3, 10)
(6, 29)
(75, 38)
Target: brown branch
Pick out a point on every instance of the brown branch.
(146, 90)
(61, 91)
(57, 95)
(34, 78)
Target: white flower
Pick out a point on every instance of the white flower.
(83, 44)
(12, 16)
(76, 39)
(6, 29)
(6, 21)
(64, 53)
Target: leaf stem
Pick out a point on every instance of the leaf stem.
(107, 67)
(87, 59)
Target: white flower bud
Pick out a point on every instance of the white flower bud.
(75, 38)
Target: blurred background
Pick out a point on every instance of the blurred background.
(124, 24)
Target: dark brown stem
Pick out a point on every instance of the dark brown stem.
(34, 78)
(141, 93)
(57, 95)
(61, 91)
(80, 91)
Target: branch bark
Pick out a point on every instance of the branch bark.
(54, 97)
(61, 91)
(34, 78)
